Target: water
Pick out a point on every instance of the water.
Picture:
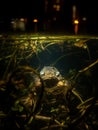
(56, 103)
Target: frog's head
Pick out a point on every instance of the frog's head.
(50, 74)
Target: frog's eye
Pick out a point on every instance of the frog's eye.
(57, 73)
(42, 73)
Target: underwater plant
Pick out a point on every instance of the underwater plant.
(41, 97)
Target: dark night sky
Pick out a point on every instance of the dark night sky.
(34, 8)
(30, 8)
(18, 8)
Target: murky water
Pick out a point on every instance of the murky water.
(48, 77)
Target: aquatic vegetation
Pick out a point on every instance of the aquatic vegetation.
(36, 95)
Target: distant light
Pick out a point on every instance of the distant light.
(35, 20)
(74, 12)
(22, 19)
(76, 21)
(56, 7)
(84, 18)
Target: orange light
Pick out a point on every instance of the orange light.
(56, 7)
(76, 21)
(22, 19)
(35, 20)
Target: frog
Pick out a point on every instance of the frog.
(51, 75)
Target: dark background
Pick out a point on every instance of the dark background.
(35, 9)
